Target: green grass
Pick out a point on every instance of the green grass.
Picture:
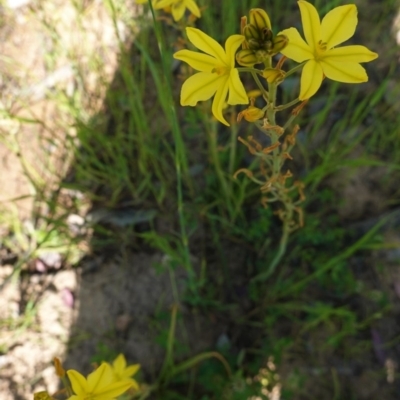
(143, 150)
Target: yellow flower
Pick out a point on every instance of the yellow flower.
(99, 385)
(178, 7)
(153, 2)
(218, 73)
(323, 58)
(122, 372)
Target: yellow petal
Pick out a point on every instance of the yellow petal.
(311, 23)
(131, 370)
(112, 390)
(297, 49)
(311, 79)
(231, 45)
(134, 384)
(162, 4)
(199, 61)
(347, 72)
(339, 25)
(100, 378)
(119, 364)
(237, 92)
(178, 10)
(78, 382)
(206, 43)
(194, 9)
(200, 87)
(354, 53)
(219, 100)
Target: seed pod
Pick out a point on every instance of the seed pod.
(259, 18)
(246, 58)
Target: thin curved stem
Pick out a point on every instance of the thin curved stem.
(293, 70)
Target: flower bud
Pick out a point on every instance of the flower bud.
(246, 58)
(60, 372)
(266, 35)
(280, 42)
(259, 18)
(251, 32)
(252, 94)
(251, 114)
(253, 44)
(273, 75)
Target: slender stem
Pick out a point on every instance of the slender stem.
(233, 147)
(260, 85)
(245, 69)
(214, 154)
(287, 105)
(293, 70)
(289, 121)
(282, 245)
(277, 165)
(169, 356)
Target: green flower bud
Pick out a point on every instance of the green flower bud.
(266, 35)
(251, 32)
(253, 44)
(280, 42)
(246, 58)
(259, 18)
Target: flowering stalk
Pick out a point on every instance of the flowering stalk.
(318, 57)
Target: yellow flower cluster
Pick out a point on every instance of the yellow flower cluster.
(176, 7)
(219, 77)
(319, 51)
(105, 383)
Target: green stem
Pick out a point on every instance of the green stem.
(169, 356)
(201, 357)
(260, 85)
(215, 158)
(282, 246)
(287, 105)
(293, 70)
(287, 124)
(233, 147)
(245, 69)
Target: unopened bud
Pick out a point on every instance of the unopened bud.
(60, 372)
(273, 75)
(266, 35)
(253, 44)
(42, 396)
(251, 32)
(252, 94)
(259, 18)
(246, 58)
(280, 42)
(251, 114)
